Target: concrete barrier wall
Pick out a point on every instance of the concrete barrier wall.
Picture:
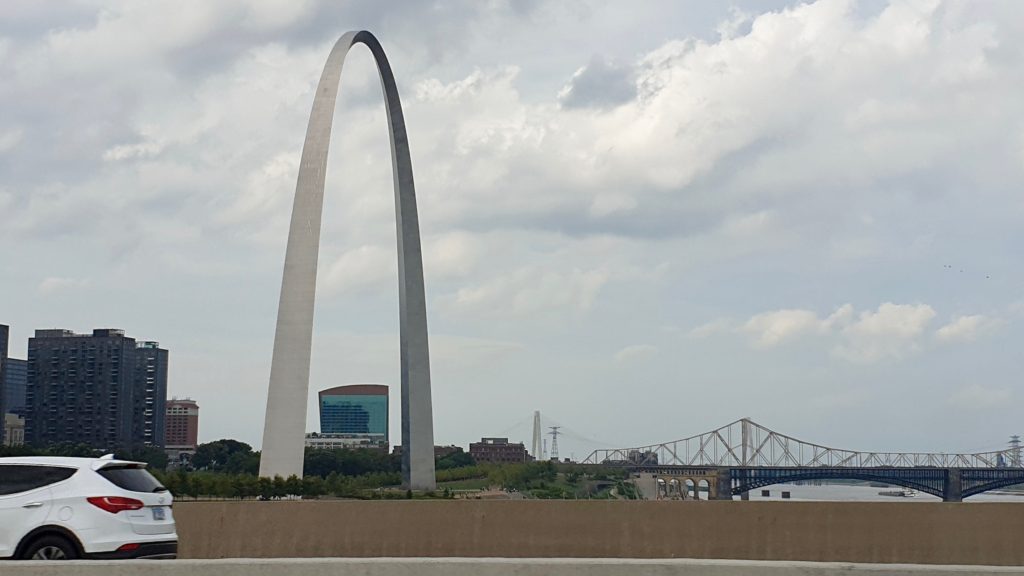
(480, 567)
(868, 532)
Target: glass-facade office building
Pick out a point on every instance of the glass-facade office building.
(359, 409)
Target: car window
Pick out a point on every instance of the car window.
(131, 478)
(15, 478)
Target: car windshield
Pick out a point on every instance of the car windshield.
(132, 478)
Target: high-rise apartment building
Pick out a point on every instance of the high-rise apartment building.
(102, 389)
(150, 396)
(182, 425)
(16, 375)
(4, 335)
(361, 409)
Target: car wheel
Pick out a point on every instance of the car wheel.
(51, 548)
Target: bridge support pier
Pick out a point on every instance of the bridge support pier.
(954, 488)
(723, 484)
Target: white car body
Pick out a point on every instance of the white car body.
(106, 508)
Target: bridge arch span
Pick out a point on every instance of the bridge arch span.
(978, 481)
(930, 481)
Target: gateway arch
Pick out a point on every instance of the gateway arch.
(285, 426)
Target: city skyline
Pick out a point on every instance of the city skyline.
(642, 235)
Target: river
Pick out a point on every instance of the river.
(863, 493)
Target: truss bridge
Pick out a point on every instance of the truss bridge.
(745, 455)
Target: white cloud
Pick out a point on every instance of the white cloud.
(729, 29)
(599, 84)
(129, 151)
(890, 332)
(452, 255)
(978, 397)
(364, 268)
(9, 139)
(635, 352)
(369, 268)
(714, 327)
(773, 328)
(530, 290)
(55, 284)
(776, 327)
(611, 203)
(268, 192)
(274, 14)
(460, 351)
(754, 225)
(967, 328)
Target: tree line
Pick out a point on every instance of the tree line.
(229, 456)
(205, 484)
(229, 469)
(234, 457)
(154, 457)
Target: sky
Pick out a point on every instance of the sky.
(644, 219)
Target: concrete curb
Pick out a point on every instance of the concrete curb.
(480, 567)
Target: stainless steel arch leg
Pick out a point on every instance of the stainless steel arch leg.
(284, 429)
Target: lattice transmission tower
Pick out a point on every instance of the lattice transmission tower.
(554, 442)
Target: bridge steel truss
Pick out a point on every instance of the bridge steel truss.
(950, 484)
(745, 443)
(939, 482)
(976, 481)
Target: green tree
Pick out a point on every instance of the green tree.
(349, 462)
(193, 486)
(156, 458)
(224, 487)
(215, 455)
(280, 487)
(71, 449)
(320, 463)
(243, 463)
(293, 486)
(265, 488)
(313, 486)
(458, 459)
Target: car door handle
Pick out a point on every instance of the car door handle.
(33, 505)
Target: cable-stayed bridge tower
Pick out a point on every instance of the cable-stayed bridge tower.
(536, 450)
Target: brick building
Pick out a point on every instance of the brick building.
(182, 424)
(498, 451)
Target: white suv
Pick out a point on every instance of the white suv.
(66, 508)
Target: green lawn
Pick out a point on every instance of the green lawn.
(470, 484)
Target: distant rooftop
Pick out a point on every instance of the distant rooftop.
(186, 400)
(356, 390)
(494, 440)
(96, 333)
(62, 333)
